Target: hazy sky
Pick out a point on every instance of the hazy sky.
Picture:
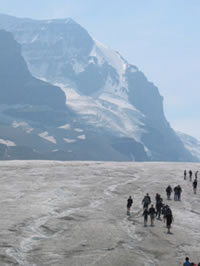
(160, 37)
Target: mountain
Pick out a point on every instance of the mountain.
(111, 98)
(36, 123)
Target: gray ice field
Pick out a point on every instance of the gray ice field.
(74, 214)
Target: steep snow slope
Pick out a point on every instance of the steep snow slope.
(74, 213)
(191, 143)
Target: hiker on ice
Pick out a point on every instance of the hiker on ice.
(129, 204)
(152, 213)
(194, 184)
(158, 197)
(159, 206)
(146, 201)
(185, 174)
(175, 193)
(168, 192)
(169, 219)
(164, 212)
(190, 175)
(196, 174)
(145, 214)
(179, 191)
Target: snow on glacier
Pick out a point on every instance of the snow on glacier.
(109, 111)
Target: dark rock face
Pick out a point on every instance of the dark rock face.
(17, 84)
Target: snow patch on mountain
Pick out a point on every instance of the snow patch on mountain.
(45, 135)
(25, 126)
(82, 137)
(78, 130)
(8, 143)
(66, 126)
(68, 140)
(77, 67)
(35, 38)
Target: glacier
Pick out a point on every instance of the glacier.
(74, 213)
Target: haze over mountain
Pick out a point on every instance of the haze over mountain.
(111, 99)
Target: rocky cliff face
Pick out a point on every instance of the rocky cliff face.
(108, 95)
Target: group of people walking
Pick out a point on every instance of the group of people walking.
(194, 183)
(177, 192)
(156, 212)
(161, 209)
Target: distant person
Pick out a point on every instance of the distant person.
(164, 211)
(152, 213)
(194, 184)
(159, 206)
(168, 192)
(176, 193)
(196, 174)
(179, 191)
(187, 262)
(146, 201)
(190, 175)
(157, 197)
(169, 219)
(129, 204)
(185, 174)
(145, 214)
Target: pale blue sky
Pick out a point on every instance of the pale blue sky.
(161, 37)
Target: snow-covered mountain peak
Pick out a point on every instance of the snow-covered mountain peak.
(111, 97)
(59, 21)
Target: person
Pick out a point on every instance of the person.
(193, 264)
(164, 210)
(187, 262)
(169, 219)
(157, 197)
(190, 175)
(146, 201)
(152, 213)
(179, 190)
(196, 174)
(129, 204)
(176, 193)
(185, 174)
(168, 191)
(198, 264)
(145, 214)
(159, 206)
(195, 185)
